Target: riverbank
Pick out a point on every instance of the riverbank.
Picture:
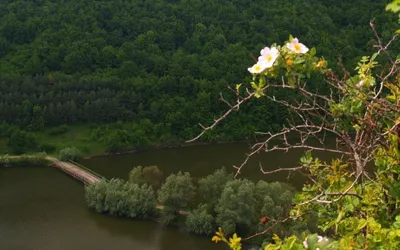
(39, 159)
(53, 139)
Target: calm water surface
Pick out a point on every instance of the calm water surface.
(200, 161)
(42, 208)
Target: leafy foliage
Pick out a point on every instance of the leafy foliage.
(175, 193)
(200, 221)
(356, 207)
(236, 209)
(67, 154)
(151, 175)
(161, 67)
(120, 198)
(211, 186)
(22, 142)
(35, 160)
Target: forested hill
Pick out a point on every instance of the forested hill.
(159, 65)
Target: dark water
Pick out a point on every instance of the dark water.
(201, 161)
(42, 208)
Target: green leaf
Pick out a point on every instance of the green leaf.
(397, 224)
(374, 56)
(361, 224)
(298, 60)
(313, 51)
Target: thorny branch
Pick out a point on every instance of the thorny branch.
(275, 222)
(312, 118)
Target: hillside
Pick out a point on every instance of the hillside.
(140, 73)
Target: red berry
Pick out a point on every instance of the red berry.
(264, 220)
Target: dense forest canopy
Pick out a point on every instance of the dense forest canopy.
(159, 65)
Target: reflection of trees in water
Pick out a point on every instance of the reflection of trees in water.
(150, 235)
(203, 160)
(137, 230)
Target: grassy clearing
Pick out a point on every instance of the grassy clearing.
(77, 136)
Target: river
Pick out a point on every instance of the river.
(200, 161)
(42, 208)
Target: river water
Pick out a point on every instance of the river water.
(42, 208)
(200, 161)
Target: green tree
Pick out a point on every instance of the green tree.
(67, 154)
(211, 187)
(199, 221)
(95, 195)
(236, 208)
(22, 142)
(151, 175)
(176, 193)
(136, 175)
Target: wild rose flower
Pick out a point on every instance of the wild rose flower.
(297, 47)
(258, 67)
(268, 56)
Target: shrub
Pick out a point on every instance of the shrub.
(136, 175)
(120, 198)
(67, 154)
(210, 187)
(151, 175)
(176, 193)
(116, 198)
(22, 142)
(141, 201)
(200, 221)
(38, 160)
(237, 206)
(95, 195)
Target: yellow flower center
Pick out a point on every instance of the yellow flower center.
(297, 47)
(269, 58)
(257, 67)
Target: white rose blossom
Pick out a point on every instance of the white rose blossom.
(265, 61)
(269, 56)
(257, 68)
(297, 47)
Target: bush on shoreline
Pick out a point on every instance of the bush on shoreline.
(69, 154)
(119, 198)
(35, 160)
(239, 203)
(199, 221)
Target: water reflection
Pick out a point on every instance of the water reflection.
(42, 208)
